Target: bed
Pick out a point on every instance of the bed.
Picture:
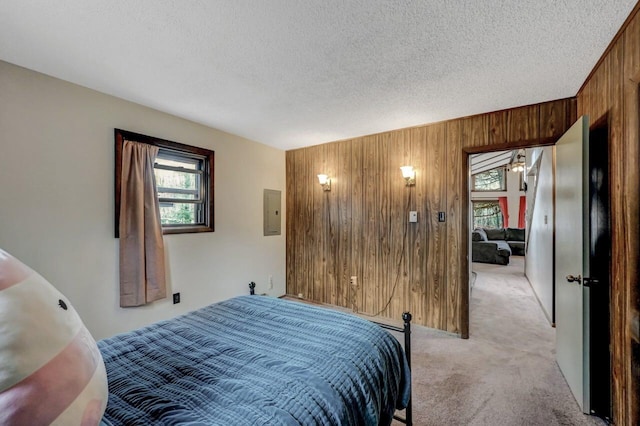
(255, 360)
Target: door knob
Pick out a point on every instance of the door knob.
(572, 279)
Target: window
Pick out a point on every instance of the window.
(491, 180)
(487, 214)
(184, 182)
(180, 188)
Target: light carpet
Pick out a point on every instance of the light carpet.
(505, 373)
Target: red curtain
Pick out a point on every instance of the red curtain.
(523, 208)
(504, 207)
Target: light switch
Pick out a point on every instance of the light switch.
(413, 216)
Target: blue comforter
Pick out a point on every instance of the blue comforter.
(255, 360)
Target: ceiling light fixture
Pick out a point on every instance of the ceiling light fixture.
(518, 165)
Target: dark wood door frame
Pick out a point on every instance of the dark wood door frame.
(625, 344)
(464, 260)
(626, 315)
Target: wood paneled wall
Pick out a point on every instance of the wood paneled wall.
(360, 228)
(610, 96)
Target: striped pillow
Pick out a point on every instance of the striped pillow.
(50, 368)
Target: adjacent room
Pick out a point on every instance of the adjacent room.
(322, 212)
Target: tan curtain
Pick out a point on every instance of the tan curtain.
(142, 271)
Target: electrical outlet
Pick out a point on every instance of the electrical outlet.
(176, 298)
(354, 281)
(300, 296)
(270, 282)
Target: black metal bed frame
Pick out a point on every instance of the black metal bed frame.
(406, 330)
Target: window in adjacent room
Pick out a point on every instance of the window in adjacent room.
(487, 214)
(184, 183)
(490, 180)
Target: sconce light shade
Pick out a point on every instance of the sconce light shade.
(409, 175)
(325, 182)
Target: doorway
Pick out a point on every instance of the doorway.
(600, 389)
(497, 206)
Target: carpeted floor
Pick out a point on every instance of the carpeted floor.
(505, 373)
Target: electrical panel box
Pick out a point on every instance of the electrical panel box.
(272, 212)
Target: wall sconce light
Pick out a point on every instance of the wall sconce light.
(409, 175)
(325, 182)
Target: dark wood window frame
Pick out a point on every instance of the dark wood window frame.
(208, 155)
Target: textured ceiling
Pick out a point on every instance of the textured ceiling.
(291, 73)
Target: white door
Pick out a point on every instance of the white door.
(572, 297)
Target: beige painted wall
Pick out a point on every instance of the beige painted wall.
(57, 204)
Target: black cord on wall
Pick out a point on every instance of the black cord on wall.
(399, 268)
